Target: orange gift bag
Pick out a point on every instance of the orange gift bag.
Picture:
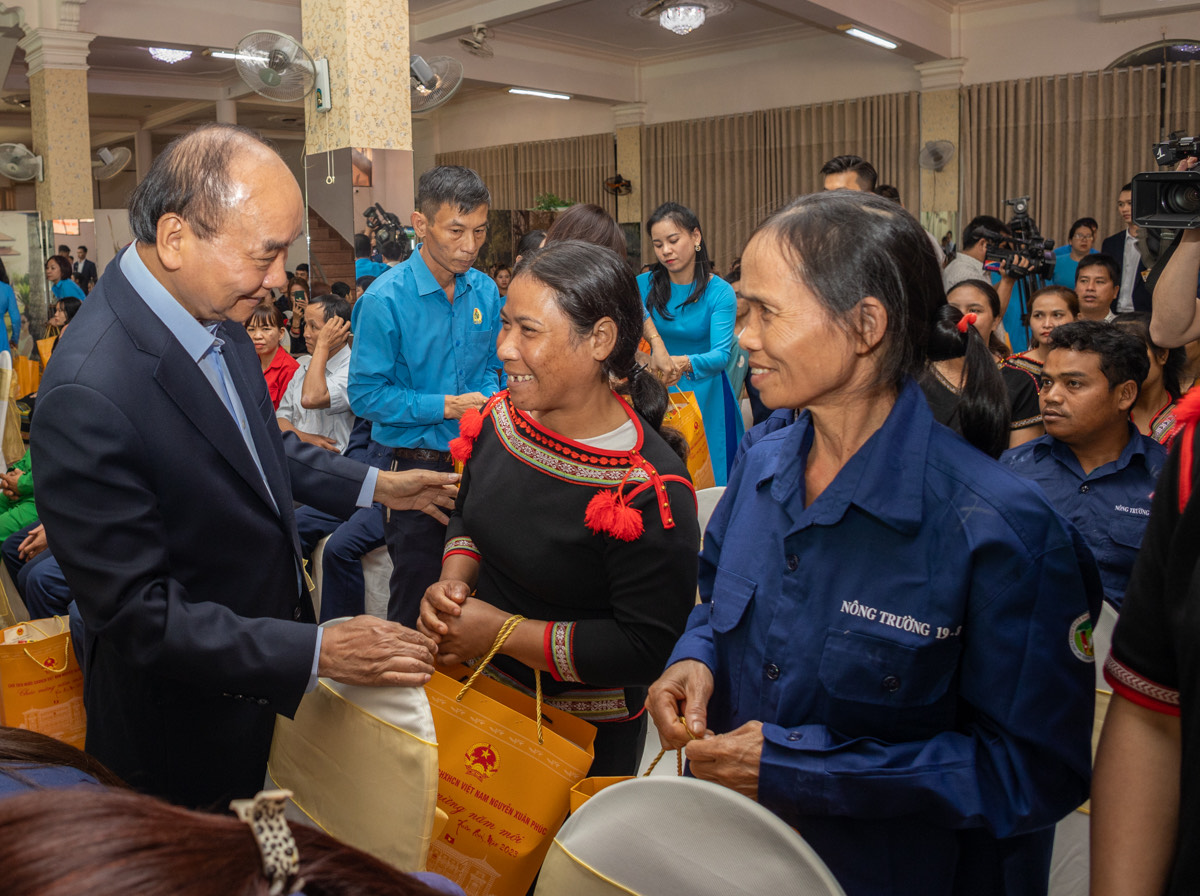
(683, 415)
(41, 685)
(507, 766)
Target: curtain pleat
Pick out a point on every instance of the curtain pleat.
(1069, 142)
(573, 168)
(1182, 106)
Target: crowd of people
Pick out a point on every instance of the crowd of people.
(922, 514)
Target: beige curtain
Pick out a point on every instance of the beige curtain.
(712, 166)
(1069, 142)
(574, 168)
(1182, 106)
(884, 130)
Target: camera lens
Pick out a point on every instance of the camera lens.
(1181, 199)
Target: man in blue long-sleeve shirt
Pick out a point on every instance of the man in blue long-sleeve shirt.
(424, 354)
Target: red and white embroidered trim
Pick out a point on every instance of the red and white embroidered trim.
(1129, 684)
(561, 643)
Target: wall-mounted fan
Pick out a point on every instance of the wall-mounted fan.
(18, 163)
(936, 155)
(618, 186)
(434, 82)
(275, 65)
(111, 162)
(476, 42)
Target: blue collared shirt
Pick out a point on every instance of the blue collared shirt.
(906, 642)
(365, 267)
(413, 347)
(1109, 506)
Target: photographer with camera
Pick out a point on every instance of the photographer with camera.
(982, 238)
(1167, 201)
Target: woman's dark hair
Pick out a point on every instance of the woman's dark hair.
(1138, 323)
(1065, 293)
(70, 306)
(660, 279)
(113, 843)
(64, 266)
(994, 344)
(530, 241)
(31, 749)
(266, 314)
(591, 224)
(844, 246)
(1089, 223)
(983, 408)
(591, 282)
(4, 273)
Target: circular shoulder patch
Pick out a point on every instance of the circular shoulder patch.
(1080, 638)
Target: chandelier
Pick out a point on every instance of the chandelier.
(682, 19)
(168, 55)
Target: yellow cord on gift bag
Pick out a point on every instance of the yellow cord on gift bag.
(510, 625)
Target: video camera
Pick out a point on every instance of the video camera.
(385, 225)
(1024, 242)
(1169, 200)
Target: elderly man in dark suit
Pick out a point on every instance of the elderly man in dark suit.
(167, 488)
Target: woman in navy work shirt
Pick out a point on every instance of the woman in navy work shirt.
(893, 646)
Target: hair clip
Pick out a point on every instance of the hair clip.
(280, 857)
(967, 320)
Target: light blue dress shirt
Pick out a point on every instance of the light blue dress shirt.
(413, 347)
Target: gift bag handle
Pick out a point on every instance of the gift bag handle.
(510, 625)
(67, 656)
(661, 754)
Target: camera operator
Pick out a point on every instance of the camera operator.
(1176, 308)
(968, 263)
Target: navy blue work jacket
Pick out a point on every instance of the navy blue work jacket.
(1109, 506)
(916, 644)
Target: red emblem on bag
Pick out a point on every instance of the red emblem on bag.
(482, 761)
(49, 662)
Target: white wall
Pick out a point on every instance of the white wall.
(1054, 37)
(501, 118)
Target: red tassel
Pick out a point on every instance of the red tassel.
(461, 448)
(607, 513)
(471, 424)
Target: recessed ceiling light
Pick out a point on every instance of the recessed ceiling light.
(870, 38)
(170, 55)
(542, 93)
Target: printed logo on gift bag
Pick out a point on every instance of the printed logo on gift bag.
(482, 761)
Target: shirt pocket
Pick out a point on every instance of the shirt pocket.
(1127, 532)
(732, 596)
(877, 687)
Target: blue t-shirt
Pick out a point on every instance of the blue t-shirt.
(64, 288)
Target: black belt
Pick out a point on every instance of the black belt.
(423, 454)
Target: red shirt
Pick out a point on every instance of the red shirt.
(279, 374)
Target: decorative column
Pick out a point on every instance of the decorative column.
(627, 122)
(941, 120)
(59, 109)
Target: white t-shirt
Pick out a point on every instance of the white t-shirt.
(333, 422)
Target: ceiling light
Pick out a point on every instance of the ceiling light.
(169, 55)
(542, 93)
(682, 19)
(872, 38)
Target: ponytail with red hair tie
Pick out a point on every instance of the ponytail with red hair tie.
(967, 320)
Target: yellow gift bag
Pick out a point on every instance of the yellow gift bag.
(41, 685)
(683, 414)
(506, 776)
(589, 787)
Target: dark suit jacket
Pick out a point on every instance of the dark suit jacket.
(87, 267)
(1114, 247)
(185, 573)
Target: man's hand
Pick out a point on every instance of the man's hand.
(683, 690)
(730, 759)
(314, 439)
(1019, 268)
(8, 483)
(374, 652)
(425, 490)
(34, 543)
(457, 405)
(333, 336)
(442, 600)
